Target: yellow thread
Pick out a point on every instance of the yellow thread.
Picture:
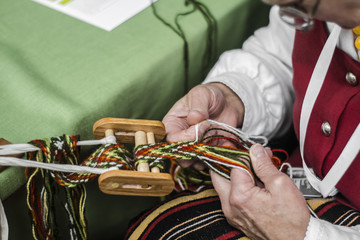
(315, 203)
(28, 189)
(349, 224)
(33, 232)
(356, 31)
(337, 220)
(82, 210)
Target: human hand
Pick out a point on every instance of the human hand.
(208, 101)
(275, 211)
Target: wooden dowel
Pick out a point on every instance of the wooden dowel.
(109, 132)
(150, 140)
(140, 138)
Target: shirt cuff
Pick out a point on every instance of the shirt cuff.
(314, 229)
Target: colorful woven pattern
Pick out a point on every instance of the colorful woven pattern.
(218, 158)
(106, 156)
(191, 216)
(43, 185)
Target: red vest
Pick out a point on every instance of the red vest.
(338, 103)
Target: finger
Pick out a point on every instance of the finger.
(222, 187)
(242, 182)
(185, 163)
(177, 131)
(198, 101)
(262, 164)
(199, 166)
(269, 152)
(176, 124)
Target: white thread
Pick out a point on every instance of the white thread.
(240, 134)
(106, 140)
(246, 137)
(200, 188)
(12, 161)
(44, 209)
(227, 165)
(343, 221)
(11, 149)
(197, 132)
(71, 230)
(180, 184)
(192, 225)
(290, 169)
(178, 180)
(312, 211)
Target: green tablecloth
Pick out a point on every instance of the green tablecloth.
(59, 75)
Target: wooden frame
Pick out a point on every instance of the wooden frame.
(136, 183)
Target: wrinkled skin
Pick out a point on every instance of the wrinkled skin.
(209, 101)
(265, 211)
(274, 208)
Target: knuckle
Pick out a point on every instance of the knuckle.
(280, 180)
(262, 166)
(198, 90)
(185, 163)
(237, 200)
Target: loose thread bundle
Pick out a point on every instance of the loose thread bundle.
(211, 37)
(218, 158)
(42, 187)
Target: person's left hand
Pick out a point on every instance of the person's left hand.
(276, 210)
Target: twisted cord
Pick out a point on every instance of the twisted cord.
(210, 53)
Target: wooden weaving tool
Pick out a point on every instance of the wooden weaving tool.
(136, 183)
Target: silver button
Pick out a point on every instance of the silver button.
(351, 79)
(326, 128)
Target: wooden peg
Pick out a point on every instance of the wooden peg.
(140, 138)
(109, 132)
(151, 140)
(141, 182)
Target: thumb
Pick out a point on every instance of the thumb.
(199, 103)
(262, 164)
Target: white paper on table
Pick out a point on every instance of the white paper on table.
(105, 14)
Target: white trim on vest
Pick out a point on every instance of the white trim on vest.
(326, 186)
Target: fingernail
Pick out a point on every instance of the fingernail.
(258, 151)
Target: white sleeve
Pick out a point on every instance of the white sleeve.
(319, 229)
(261, 74)
(4, 227)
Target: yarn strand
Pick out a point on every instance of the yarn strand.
(211, 37)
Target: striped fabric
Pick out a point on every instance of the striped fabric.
(199, 216)
(335, 212)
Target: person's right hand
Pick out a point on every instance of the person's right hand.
(207, 101)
